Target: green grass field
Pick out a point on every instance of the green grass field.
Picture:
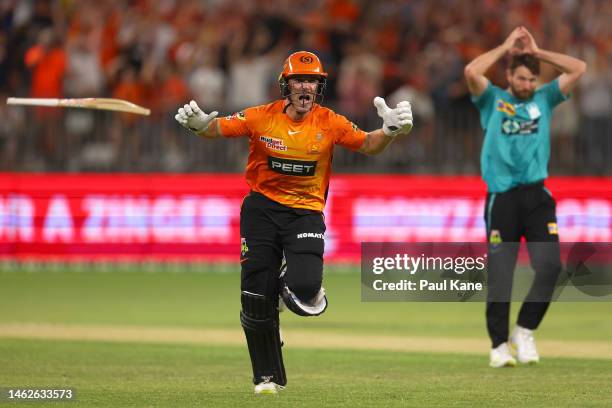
(356, 354)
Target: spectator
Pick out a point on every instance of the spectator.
(596, 107)
(84, 78)
(208, 82)
(251, 71)
(47, 62)
(360, 78)
(227, 50)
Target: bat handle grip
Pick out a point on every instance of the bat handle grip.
(33, 101)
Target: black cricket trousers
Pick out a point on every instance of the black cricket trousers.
(525, 211)
(268, 230)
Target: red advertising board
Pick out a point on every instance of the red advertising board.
(196, 217)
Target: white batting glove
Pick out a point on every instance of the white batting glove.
(191, 117)
(395, 121)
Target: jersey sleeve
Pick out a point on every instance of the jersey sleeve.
(552, 93)
(240, 123)
(346, 133)
(484, 102)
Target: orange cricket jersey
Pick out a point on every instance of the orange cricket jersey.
(289, 161)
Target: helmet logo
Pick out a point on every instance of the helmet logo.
(306, 59)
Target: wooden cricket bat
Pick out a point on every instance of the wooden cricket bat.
(110, 104)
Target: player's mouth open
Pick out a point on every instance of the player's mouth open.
(305, 98)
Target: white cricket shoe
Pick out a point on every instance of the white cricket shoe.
(500, 356)
(267, 387)
(523, 342)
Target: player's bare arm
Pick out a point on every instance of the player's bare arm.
(396, 121)
(571, 68)
(475, 71)
(375, 142)
(191, 117)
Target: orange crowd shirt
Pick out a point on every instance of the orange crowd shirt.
(290, 162)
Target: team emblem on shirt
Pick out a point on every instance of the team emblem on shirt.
(533, 111)
(553, 229)
(313, 148)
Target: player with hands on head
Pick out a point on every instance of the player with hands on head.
(514, 164)
(282, 228)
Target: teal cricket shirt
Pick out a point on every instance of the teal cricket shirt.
(516, 146)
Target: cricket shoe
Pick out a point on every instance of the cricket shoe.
(523, 342)
(500, 356)
(268, 387)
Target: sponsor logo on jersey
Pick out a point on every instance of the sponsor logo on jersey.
(292, 167)
(513, 127)
(495, 237)
(495, 240)
(553, 229)
(237, 115)
(505, 107)
(273, 143)
(318, 235)
(243, 247)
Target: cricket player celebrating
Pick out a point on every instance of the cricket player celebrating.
(514, 164)
(291, 142)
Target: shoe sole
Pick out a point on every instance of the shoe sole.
(270, 391)
(509, 363)
(266, 392)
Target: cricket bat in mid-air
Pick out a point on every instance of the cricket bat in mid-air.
(110, 104)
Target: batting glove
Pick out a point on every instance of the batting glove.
(193, 118)
(395, 121)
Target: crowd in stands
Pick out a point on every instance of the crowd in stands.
(226, 54)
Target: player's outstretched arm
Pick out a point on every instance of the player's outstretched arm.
(191, 117)
(571, 68)
(396, 121)
(475, 71)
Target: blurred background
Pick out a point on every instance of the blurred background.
(227, 55)
(83, 184)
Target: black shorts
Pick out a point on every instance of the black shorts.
(269, 230)
(526, 211)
